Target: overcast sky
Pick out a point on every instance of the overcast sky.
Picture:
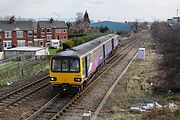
(114, 10)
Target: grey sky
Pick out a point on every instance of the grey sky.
(115, 10)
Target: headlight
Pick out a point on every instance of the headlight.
(77, 79)
(53, 79)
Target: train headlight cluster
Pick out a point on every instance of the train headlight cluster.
(77, 79)
(53, 79)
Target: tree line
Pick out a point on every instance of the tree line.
(167, 39)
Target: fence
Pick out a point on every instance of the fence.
(22, 67)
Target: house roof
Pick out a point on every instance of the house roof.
(54, 24)
(18, 25)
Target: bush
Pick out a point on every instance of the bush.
(164, 114)
(167, 40)
(58, 50)
(68, 44)
(80, 40)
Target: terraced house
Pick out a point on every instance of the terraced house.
(49, 30)
(15, 33)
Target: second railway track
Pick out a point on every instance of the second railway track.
(21, 93)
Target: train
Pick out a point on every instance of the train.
(70, 70)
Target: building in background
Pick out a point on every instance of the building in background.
(15, 33)
(113, 26)
(49, 30)
(29, 51)
(174, 20)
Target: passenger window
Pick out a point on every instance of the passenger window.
(74, 65)
(65, 65)
(84, 67)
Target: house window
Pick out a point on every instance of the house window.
(58, 30)
(19, 34)
(7, 44)
(35, 30)
(64, 37)
(35, 43)
(48, 30)
(48, 38)
(42, 30)
(8, 34)
(30, 33)
(41, 43)
(30, 43)
(58, 37)
(64, 30)
(21, 43)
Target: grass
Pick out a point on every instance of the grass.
(133, 88)
(52, 51)
(19, 71)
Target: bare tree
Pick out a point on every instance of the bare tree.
(79, 18)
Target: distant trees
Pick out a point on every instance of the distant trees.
(103, 29)
(79, 18)
(168, 44)
(83, 39)
(86, 18)
(81, 25)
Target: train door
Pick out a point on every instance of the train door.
(86, 65)
(112, 44)
(85, 71)
(0, 43)
(104, 52)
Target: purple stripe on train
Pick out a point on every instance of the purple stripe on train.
(94, 64)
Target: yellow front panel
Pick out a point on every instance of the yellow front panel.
(67, 77)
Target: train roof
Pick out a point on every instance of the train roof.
(86, 47)
(68, 53)
(83, 49)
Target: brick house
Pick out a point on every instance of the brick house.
(15, 33)
(49, 30)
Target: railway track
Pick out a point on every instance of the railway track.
(21, 93)
(50, 112)
(104, 75)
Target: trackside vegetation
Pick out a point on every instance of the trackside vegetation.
(76, 41)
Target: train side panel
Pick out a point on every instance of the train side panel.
(108, 48)
(116, 41)
(94, 59)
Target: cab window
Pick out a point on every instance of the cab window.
(74, 65)
(65, 65)
(56, 65)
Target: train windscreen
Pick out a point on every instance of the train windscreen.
(65, 65)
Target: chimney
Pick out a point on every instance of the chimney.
(12, 20)
(51, 20)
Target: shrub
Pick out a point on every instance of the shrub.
(68, 44)
(80, 40)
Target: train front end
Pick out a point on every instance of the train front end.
(65, 71)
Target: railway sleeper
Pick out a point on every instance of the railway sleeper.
(6, 101)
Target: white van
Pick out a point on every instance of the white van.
(55, 43)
